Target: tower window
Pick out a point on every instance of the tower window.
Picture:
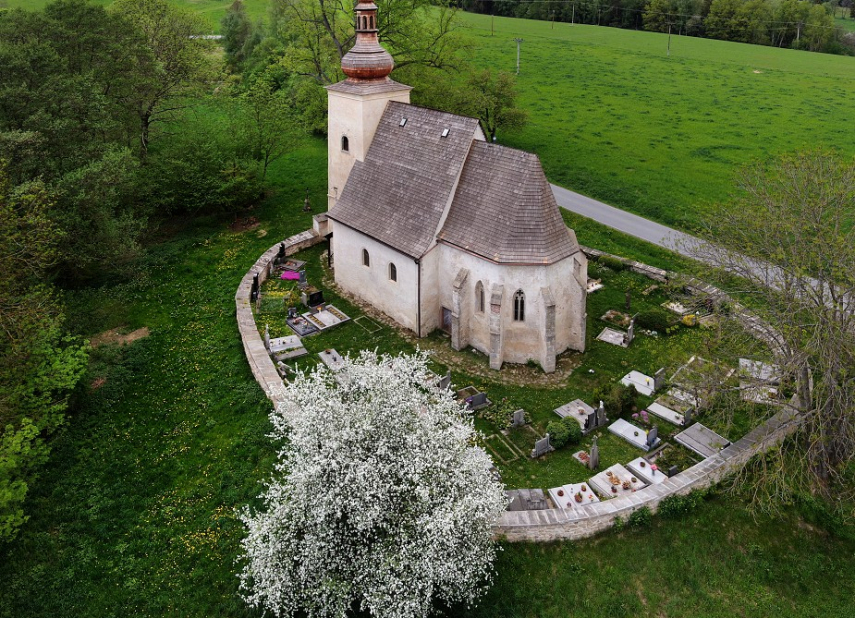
(372, 23)
(479, 296)
(519, 306)
(345, 143)
(393, 272)
(366, 259)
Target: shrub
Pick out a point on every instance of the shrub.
(654, 319)
(678, 505)
(611, 262)
(559, 433)
(640, 518)
(618, 399)
(574, 430)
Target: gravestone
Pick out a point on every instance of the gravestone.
(659, 379)
(313, 299)
(601, 415)
(281, 253)
(476, 400)
(253, 295)
(302, 283)
(267, 337)
(519, 418)
(590, 422)
(630, 332)
(673, 471)
(541, 447)
(687, 417)
(594, 458)
(445, 382)
(292, 312)
(652, 436)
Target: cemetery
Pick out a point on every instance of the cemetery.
(637, 401)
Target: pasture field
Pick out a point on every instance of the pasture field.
(212, 10)
(612, 116)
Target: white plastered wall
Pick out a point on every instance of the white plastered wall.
(356, 117)
(524, 340)
(397, 299)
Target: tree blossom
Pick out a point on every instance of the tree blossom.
(380, 500)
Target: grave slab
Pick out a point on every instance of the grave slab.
(326, 318)
(293, 265)
(576, 409)
(332, 359)
(564, 497)
(646, 471)
(676, 307)
(302, 326)
(642, 383)
(281, 344)
(632, 434)
(526, 500)
(666, 413)
(702, 440)
(594, 285)
(614, 337)
(603, 483)
(291, 354)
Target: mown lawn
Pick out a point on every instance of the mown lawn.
(611, 116)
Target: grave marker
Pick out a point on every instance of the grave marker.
(267, 337)
(519, 418)
(601, 415)
(659, 379)
(652, 436)
(594, 459)
(253, 295)
(541, 447)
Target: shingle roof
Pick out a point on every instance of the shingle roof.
(504, 209)
(398, 194)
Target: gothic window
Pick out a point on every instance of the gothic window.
(365, 23)
(366, 259)
(519, 306)
(345, 143)
(393, 272)
(372, 22)
(479, 296)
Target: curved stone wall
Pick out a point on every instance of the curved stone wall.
(259, 360)
(551, 524)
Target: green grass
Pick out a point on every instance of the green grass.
(847, 23)
(212, 10)
(611, 116)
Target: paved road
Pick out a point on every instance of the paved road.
(625, 222)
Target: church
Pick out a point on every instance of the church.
(437, 228)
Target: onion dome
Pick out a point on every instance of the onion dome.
(367, 60)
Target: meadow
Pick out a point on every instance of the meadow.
(612, 116)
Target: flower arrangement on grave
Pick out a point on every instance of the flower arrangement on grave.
(578, 496)
(641, 463)
(560, 492)
(614, 489)
(634, 480)
(584, 488)
(626, 485)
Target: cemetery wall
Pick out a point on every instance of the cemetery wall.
(588, 520)
(259, 361)
(585, 521)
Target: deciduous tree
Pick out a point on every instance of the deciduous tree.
(380, 500)
(789, 235)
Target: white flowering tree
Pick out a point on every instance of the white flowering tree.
(380, 500)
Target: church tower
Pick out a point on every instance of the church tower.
(357, 103)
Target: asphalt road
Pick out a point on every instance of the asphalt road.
(625, 222)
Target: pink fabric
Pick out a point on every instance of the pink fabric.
(291, 275)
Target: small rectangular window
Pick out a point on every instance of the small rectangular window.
(403, 122)
(445, 132)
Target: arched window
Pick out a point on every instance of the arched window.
(366, 259)
(364, 23)
(372, 23)
(479, 296)
(519, 306)
(393, 272)
(345, 143)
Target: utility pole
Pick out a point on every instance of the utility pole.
(553, 20)
(493, 20)
(518, 54)
(669, 40)
(573, 19)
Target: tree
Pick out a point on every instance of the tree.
(236, 29)
(492, 99)
(789, 236)
(268, 123)
(39, 364)
(175, 66)
(380, 500)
